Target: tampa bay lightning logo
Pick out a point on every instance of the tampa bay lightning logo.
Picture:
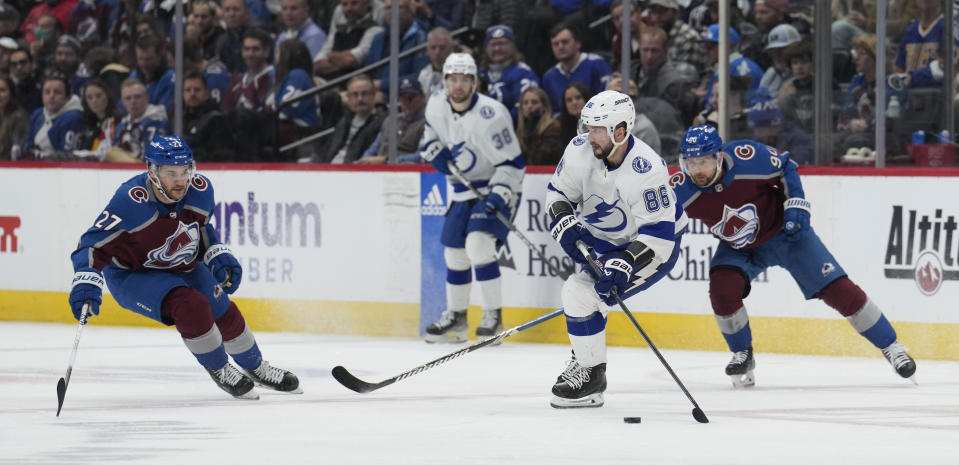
(642, 165)
(579, 140)
(487, 112)
(738, 227)
(178, 249)
(559, 167)
(465, 159)
(605, 216)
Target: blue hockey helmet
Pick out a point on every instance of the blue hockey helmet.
(698, 142)
(168, 150)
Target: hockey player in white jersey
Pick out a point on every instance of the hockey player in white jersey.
(476, 133)
(628, 217)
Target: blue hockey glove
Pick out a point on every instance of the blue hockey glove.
(796, 218)
(567, 230)
(616, 275)
(441, 161)
(226, 269)
(87, 287)
(498, 200)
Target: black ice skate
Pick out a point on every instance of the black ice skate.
(491, 325)
(234, 382)
(274, 378)
(451, 327)
(579, 386)
(740, 369)
(904, 365)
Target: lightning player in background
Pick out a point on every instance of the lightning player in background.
(627, 215)
(147, 247)
(751, 198)
(476, 133)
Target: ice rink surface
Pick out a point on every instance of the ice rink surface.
(138, 397)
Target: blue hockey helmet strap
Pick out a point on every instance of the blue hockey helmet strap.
(167, 151)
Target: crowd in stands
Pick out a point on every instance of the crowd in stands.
(94, 79)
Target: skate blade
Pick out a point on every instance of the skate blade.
(590, 401)
(743, 381)
(450, 337)
(298, 389)
(250, 395)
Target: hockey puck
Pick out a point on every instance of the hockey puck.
(632, 419)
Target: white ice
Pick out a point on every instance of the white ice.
(138, 397)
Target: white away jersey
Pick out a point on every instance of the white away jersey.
(491, 155)
(632, 202)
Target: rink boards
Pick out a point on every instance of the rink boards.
(356, 252)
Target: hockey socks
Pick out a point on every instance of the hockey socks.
(238, 339)
(861, 312)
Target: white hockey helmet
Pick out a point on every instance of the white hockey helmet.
(609, 109)
(460, 63)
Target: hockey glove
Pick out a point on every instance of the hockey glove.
(796, 218)
(567, 230)
(441, 161)
(226, 269)
(498, 200)
(616, 275)
(87, 287)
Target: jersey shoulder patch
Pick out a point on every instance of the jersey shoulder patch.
(752, 157)
(129, 208)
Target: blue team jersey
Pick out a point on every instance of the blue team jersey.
(218, 81)
(59, 134)
(592, 71)
(918, 48)
(744, 209)
(303, 113)
(510, 84)
(137, 231)
(739, 66)
(160, 91)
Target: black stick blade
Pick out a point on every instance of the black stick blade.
(352, 382)
(61, 393)
(699, 415)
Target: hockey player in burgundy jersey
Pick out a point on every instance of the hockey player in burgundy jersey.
(751, 198)
(155, 249)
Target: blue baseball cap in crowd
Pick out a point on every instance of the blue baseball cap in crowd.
(410, 86)
(499, 30)
(713, 35)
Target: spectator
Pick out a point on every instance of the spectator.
(358, 127)
(573, 65)
(439, 45)
(574, 98)
(769, 127)
(26, 88)
(58, 9)
(355, 24)
(682, 41)
(47, 32)
(52, 131)
(919, 54)
(299, 25)
(206, 129)
(143, 121)
(66, 57)
(738, 64)
(636, 25)
(738, 108)
(152, 70)
(662, 78)
(249, 90)
(229, 46)
(7, 46)
(13, 120)
(750, 42)
(781, 37)
(9, 21)
(502, 69)
(482, 15)
(411, 35)
(537, 130)
(217, 78)
(99, 123)
(202, 24)
(122, 32)
(412, 120)
(771, 13)
(96, 59)
(796, 97)
(643, 127)
(294, 75)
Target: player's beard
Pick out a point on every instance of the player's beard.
(603, 151)
(459, 98)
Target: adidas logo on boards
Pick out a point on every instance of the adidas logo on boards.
(433, 204)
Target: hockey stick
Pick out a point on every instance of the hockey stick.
(697, 412)
(352, 382)
(63, 382)
(509, 224)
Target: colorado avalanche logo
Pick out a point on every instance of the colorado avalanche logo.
(642, 165)
(929, 272)
(739, 227)
(487, 112)
(179, 249)
(677, 179)
(744, 152)
(605, 217)
(199, 183)
(139, 194)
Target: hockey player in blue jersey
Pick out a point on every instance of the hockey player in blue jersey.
(630, 219)
(751, 198)
(474, 132)
(155, 249)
